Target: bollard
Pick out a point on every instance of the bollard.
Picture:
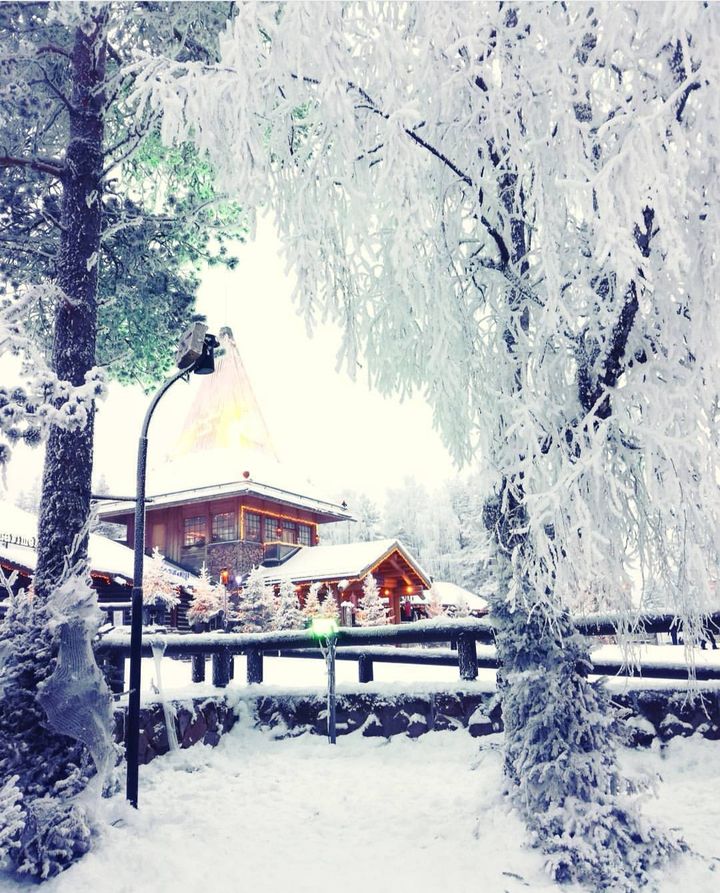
(365, 668)
(254, 666)
(467, 657)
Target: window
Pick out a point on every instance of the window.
(304, 536)
(224, 528)
(252, 527)
(270, 534)
(289, 532)
(194, 531)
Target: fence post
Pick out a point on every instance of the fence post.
(365, 668)
(221, 668)
(467, 657)
(254, 665)
(197, 662)
(115, 672)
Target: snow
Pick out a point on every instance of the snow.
(106, 556)
(347, 560)
(302, 815)
(216, 478)
(451, 594)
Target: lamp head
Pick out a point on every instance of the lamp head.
(324, 627)
(205, 365)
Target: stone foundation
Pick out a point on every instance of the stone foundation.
(648, 714)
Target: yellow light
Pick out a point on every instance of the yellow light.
(386, 592)
(324, 627)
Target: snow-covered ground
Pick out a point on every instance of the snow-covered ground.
(300, 815)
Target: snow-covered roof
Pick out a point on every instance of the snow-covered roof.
(18, 531)
(347, 561)
(232, 486)
(450, 595)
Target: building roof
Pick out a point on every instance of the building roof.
(349, 561)
(450, 595)
(232, 487)
(18, 531)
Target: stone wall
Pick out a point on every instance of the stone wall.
(648, 714)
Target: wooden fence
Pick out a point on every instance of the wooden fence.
(366, 646)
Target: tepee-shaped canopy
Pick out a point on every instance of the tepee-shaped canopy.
(225, 414)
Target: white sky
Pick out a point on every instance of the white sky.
(341, 434)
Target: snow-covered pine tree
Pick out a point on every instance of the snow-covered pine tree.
(373, 609)
(435, 606)
(85, 228)
(288, 614)
(253, 611)
(206, 600)
(329, 607)
(528, 186)
(158, 582)
(312, 606)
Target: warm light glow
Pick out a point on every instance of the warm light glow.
(409, 590)
(323, 627)
(224, 576)
(386, 592)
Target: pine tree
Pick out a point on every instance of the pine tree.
(253, 611)
(329, 607)
(158, 582)
(374, 610)
(313, 606)
(435, 606)
(288, 614)
(206, 600)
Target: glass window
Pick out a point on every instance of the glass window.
(304, 536)
(224, 527)
(289, 532)
(270, 534)
(194, 531)
(252, 527)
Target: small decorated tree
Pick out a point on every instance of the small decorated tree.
(159, 587)
(206, 601)
(329, 607)
(254, 610)
(374, 610)
(435, 606)
(313, 606)
(288, 614)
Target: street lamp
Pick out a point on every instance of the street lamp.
(325, 630)
(196, 354)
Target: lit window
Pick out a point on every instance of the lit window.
(270, 534)
(289, 532)
(195, 531)
(304, 536)
(224, 528)
(252, 527)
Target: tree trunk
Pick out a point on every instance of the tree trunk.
(65, 503)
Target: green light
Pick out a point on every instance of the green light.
(324, 627)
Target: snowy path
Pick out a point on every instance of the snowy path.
(299, 815)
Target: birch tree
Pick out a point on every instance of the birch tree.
(509, 208)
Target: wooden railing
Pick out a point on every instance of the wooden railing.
(364, 645)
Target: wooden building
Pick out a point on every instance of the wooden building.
(223, 499)
(343, 569)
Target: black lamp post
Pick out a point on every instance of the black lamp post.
(196, 354)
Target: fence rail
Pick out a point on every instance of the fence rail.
(364, 645)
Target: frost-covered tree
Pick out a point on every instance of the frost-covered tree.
(435, 606)
(254, 609)
(206, 600)
(288, 614)
(509, 207)
(329, 607)
(312, 606)
(373, 609)
(159, 584)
